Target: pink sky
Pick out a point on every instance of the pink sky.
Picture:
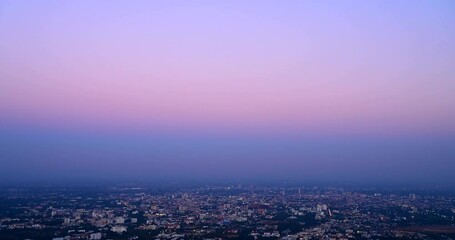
(301, 66)
(292, 90)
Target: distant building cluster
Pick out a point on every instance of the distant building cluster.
(225, 212)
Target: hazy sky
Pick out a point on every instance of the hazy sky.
(344, 91)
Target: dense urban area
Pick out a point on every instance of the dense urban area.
(225, 212)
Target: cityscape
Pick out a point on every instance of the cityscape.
(236, 211)
(227, 119)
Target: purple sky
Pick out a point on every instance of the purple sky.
(301, 90)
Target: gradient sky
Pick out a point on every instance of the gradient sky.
(343, 91)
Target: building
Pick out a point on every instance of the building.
(95, 236)
(119, 220)
(118, 229)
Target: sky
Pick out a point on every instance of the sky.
(328, 91)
